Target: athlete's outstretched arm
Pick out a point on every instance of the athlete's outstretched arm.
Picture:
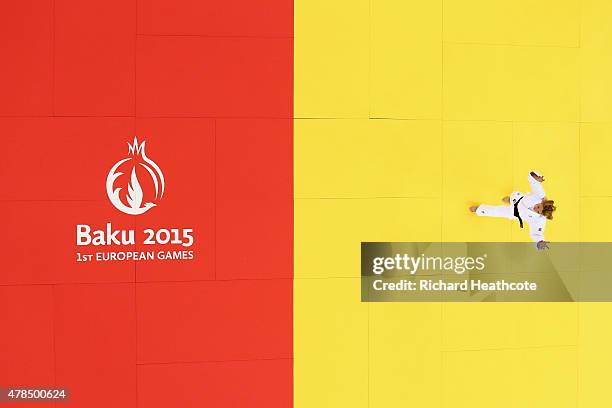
(535, 180)
(536, 232)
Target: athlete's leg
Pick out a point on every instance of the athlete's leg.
(500, 211)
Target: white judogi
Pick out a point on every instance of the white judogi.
(536, 221)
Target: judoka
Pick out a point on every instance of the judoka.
(533, 208)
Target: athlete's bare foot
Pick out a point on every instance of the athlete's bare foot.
(506, 199)
(473, 208)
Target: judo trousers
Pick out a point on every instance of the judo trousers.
(500, 211)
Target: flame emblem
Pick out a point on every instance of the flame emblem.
(133, 197)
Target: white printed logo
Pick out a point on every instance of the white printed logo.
(133, 196)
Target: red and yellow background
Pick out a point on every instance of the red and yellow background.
(289, 132)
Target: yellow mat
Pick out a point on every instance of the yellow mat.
(407, 112)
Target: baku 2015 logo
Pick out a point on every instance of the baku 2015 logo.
(133, 200)
(134, 185)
